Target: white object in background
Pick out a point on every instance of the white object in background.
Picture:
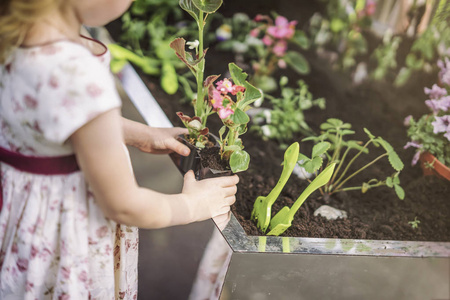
(141, 97)
(330, 213)
(301, 172)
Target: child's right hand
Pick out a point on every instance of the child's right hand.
(209, 198)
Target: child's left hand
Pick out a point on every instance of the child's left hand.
(154, 140)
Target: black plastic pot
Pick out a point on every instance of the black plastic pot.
(194, 162)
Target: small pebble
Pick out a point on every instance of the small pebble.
(330, 213)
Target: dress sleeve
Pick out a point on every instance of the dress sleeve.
(74, 93)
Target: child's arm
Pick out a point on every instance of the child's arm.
(102, 157)
(153, 140)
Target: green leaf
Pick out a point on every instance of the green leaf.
(239, 161)
(237, 74)
(251, 95)
(314, 164)
(222, 131)
(302, 157)
(393, 157)
(301, 39)
(347, 132)
(389, 182)
(320, 148)
(208, 6)
(169, 78)
(188, 6)
(399, 191)
(297, 62)
(371, 136)
(239, 117)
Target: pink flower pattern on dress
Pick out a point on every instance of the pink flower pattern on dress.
(53, 235)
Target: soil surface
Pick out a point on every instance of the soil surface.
(377, 106)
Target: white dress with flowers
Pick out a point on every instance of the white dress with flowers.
(55, 242)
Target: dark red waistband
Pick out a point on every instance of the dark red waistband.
(48, 165)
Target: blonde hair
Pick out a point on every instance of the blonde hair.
(16, 17)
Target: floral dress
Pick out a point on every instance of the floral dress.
(55, 242)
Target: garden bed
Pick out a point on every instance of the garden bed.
(377, 106)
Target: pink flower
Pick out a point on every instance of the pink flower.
(267, 40)
(217, 99)
(237, 89)
(412, 144)
(254, 32)
(225, 86)
(225, 112)
(415, 158)
(283, 29)
(83, 277)
(280, 48)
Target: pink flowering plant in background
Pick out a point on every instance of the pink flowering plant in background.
(229, 99)
(272, 52)
(431, 132)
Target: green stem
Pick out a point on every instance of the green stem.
(201, 67)
(354, 188)
(340, 165)
(361, 169)
(351, 161)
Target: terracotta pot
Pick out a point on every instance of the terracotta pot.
(193, 161)
(438, 169)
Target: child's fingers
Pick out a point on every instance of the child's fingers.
(226, 181)
(177, 147)
(230, 190)
(230, 200)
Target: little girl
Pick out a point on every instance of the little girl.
(69, 202)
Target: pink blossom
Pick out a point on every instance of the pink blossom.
(267, 40)
(225, 112)
(237, 89)
(83, 277)
(444, 74)
(217, 99)
(65, 272)
(225, 86)
(282, 64)
(435, 92)
(280, 48)
(283, 29)
(254, 32)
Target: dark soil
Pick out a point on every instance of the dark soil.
(377, 106)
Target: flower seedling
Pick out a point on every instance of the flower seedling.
(262, 208)
(414, 224)
(228, 98)
(283, 219)
(331, 144)
(287, 114)
(231, 99)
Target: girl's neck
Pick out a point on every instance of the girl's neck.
(55, 27)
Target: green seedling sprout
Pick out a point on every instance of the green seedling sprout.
(283, 219)
(262, 207)
(337, 150)
(414, 224)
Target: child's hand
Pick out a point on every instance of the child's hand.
(163, 141)
(153, 140)
(209, 198)
(222, 220)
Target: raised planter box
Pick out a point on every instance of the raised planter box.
(313, 268)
